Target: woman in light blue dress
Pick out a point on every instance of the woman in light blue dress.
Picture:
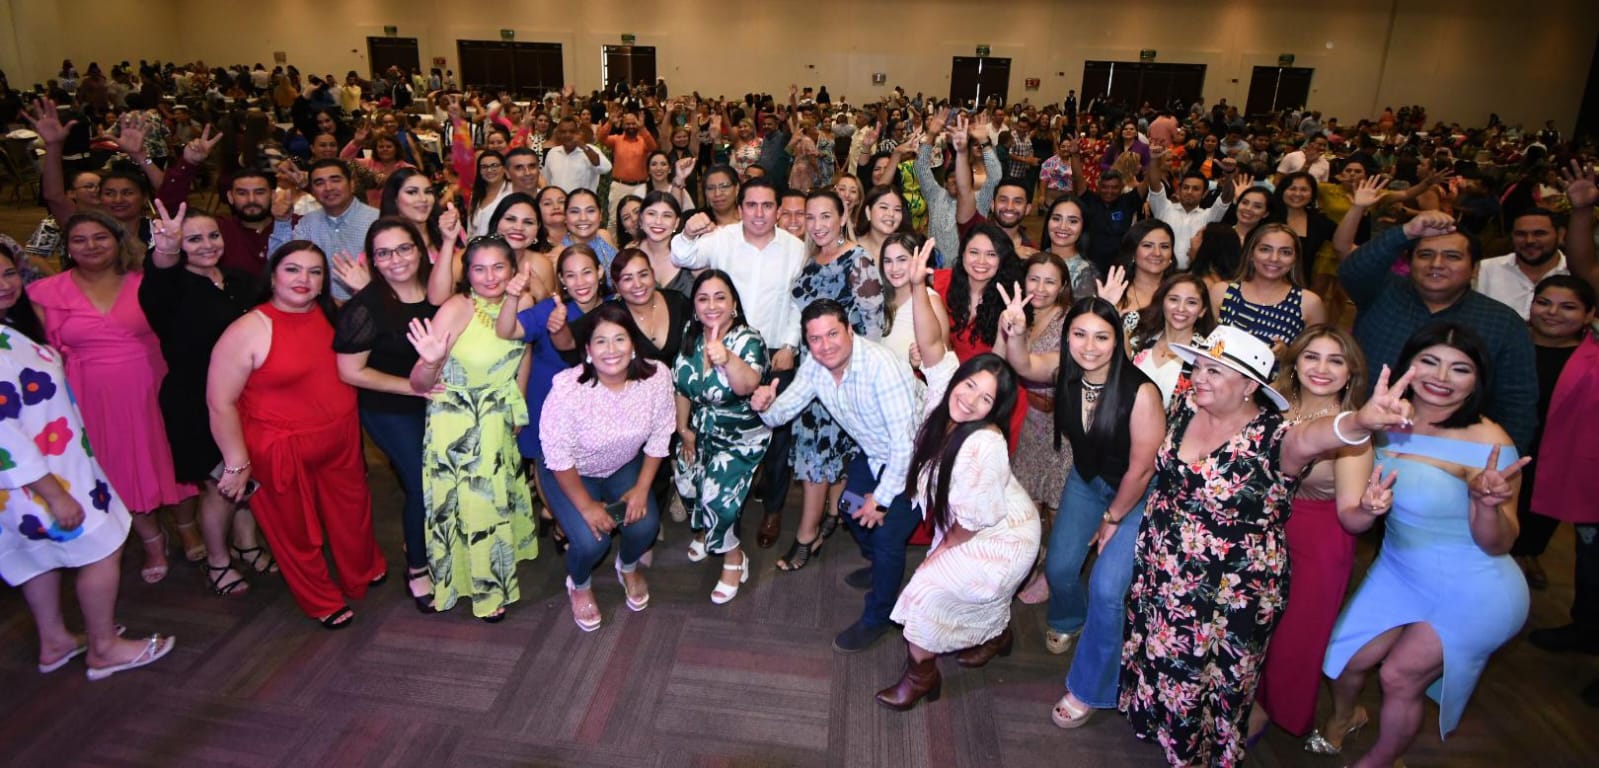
(1443, 594)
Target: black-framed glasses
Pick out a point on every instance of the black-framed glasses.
(384, 254)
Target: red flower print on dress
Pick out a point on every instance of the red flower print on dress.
(53, 439)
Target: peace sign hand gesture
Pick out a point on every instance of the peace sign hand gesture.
(167, 234)
(199, 148)
(1014, 319)
(1492, 486)
(1387, 408)
(1379, 495)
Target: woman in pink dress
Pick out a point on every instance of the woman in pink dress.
(91, 314)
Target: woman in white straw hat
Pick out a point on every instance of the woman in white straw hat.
(1210, 577)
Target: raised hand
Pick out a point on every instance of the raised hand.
(431, 344)
(921, 273)
(1014, 319)
(1429, 224)
(957, 132)
(1241, 186)
(557, 320)
(1369, 191)
(762, 397)
(363, 132)
(1379, 495)
(520, 280)
(1114, 286)
(698, 224)
(131, 128)
(282, 206)
(449, 224)
(1492, 486)
(351, 270)
(166, 236)
(715, 351)
(684, 168)
(937, 120)
(199, 148)
(46, 121)
(1387, 408)
(1580, 187)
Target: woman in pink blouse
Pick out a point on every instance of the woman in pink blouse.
(605, 428)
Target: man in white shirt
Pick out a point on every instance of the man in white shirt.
(1311, 158)
(763, 261)
(1510, 279)
(872, 394)
(572, 164)
(1185, 217)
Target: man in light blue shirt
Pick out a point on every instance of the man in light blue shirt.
(339, 228)
(872, 394)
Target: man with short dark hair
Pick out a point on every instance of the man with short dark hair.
(1510, 278)
(247, 234)
(522, 169)
(1392, 308)
(339, 228)
(872, 394)
(630, 151)
(571, 164)
(791, 213)
(1187, 216)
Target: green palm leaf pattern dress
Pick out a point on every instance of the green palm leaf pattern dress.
(730, 439)
(479, 511)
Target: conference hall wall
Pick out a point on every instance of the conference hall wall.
(1527, 61)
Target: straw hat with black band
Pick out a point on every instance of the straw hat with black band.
(1241, 351)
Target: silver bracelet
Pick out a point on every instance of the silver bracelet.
(227, 470)
(1340, 433)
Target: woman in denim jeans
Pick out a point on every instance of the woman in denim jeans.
(1111, 414)
(376, 357)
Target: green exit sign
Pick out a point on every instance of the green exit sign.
(628, 39)
(391, 30)
(507, 34)
(982, 50)
(1285, 60)
(1148, 54)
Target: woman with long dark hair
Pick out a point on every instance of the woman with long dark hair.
(985, 527)
(1145, 261)
(1179, 314)
(1111, 414)
(489, 185)
(409, 194)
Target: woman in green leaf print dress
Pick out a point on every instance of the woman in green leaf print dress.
(479, 513)
(723, 439)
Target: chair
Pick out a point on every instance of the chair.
(17, 168)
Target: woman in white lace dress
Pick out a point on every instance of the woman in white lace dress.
(985, 525)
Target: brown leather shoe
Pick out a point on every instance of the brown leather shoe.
(771, 528)
(978, 655)
(921, 680)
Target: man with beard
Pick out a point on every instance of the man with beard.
(339, 229)
(246, 233)
(1510, 278)
(630, 153)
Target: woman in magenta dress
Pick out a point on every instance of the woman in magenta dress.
(91, 314)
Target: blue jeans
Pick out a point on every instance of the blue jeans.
(1101, 609)
(884, 545)
(399, 435)
(585, 551)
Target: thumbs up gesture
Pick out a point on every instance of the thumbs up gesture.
(715, 351)
(518, 285)
(557, 321)
(762, 397)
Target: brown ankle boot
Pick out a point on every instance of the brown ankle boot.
(921, 679)
(978, 655)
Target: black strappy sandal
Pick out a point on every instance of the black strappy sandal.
(216, 574)
(424, 603)
(828, 528)
(800, 554)
(252, 557)
(339, 619)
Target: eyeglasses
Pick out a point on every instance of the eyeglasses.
(490, 167)
(384, 254)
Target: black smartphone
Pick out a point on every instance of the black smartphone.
(617, 510)
(250, 486)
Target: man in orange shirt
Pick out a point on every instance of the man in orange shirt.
(630, 152)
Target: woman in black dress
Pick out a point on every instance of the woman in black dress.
(189, 300)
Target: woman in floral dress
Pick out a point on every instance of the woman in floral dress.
(1211, 571)
(841, 270)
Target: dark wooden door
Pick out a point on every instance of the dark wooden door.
(1272, 89)
(385, 52)
(974, 80)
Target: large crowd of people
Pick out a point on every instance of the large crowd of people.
(1230, 346)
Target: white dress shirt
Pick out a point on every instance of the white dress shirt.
(763, 277)
(1501, 279)
(1183, 222)
(572, 170)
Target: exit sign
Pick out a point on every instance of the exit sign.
(982, 50)
(1285, 60)
(1148, 54)
(628, 39)
(391, 30)
(507, 34)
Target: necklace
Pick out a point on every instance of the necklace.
(1092, 391)
(1302, 417)
(480, 311)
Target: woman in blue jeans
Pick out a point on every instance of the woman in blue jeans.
(1111, 413)
(605, 429)
(375, 356)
